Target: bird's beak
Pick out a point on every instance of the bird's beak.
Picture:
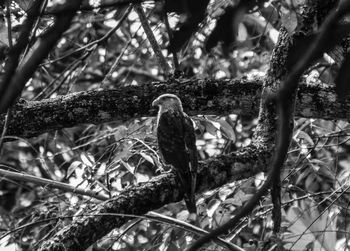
(155, 102)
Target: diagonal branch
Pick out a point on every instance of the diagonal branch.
(16, 51)
(283, 106)
(159, 191)
(151, 38)
(13, 87)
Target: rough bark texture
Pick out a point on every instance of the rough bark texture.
(279, 78)
(33, 118)
(163, 189)
(207, 97)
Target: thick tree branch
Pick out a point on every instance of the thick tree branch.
(12, 89)
(161, 190)
(15, 52)
(199, 97)
(285, 102)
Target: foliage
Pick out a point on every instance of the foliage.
(106, 158)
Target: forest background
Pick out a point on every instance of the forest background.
(265, 82)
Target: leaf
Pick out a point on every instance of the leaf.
(128, 167)
(209, 127)
(102, 185)
(4, 34)
(304, 136)
(242, 33)
(311, 183)
(323, 170)
(123, 150)
(289, 19)
(212, 206)
(147, 157)
(24, 4)
(317, 227)
(101, 170)
(120, 133)
(87, 159)
(227, 130)
(342, 81)
(72, 167)
(303, 175)
(221, 216)
(239, 198)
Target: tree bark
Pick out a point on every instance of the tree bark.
(99, 220)
(239, 96)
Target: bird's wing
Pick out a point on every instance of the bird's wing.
(176, 141)
(190, 145)
(190, 142)
(171, 141)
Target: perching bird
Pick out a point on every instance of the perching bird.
(177, 144)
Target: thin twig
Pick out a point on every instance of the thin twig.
(170, 33)
(70, 69)
(115, 64)
(35, 28)
(50, 184)
(123, 233)
(4, 129)
(96, 42)
(151, 38)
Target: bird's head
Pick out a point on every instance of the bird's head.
(168, 102)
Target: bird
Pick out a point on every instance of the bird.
(177, 145)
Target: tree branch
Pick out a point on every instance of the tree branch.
(50, 184)
(238, 96)
(152, 40)
(151, 195)
(11, 89)
(283, 106)
(22, 41)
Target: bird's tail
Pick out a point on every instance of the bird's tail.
(190, 204)
(192, 209)
(189, 197)
(188, 184)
